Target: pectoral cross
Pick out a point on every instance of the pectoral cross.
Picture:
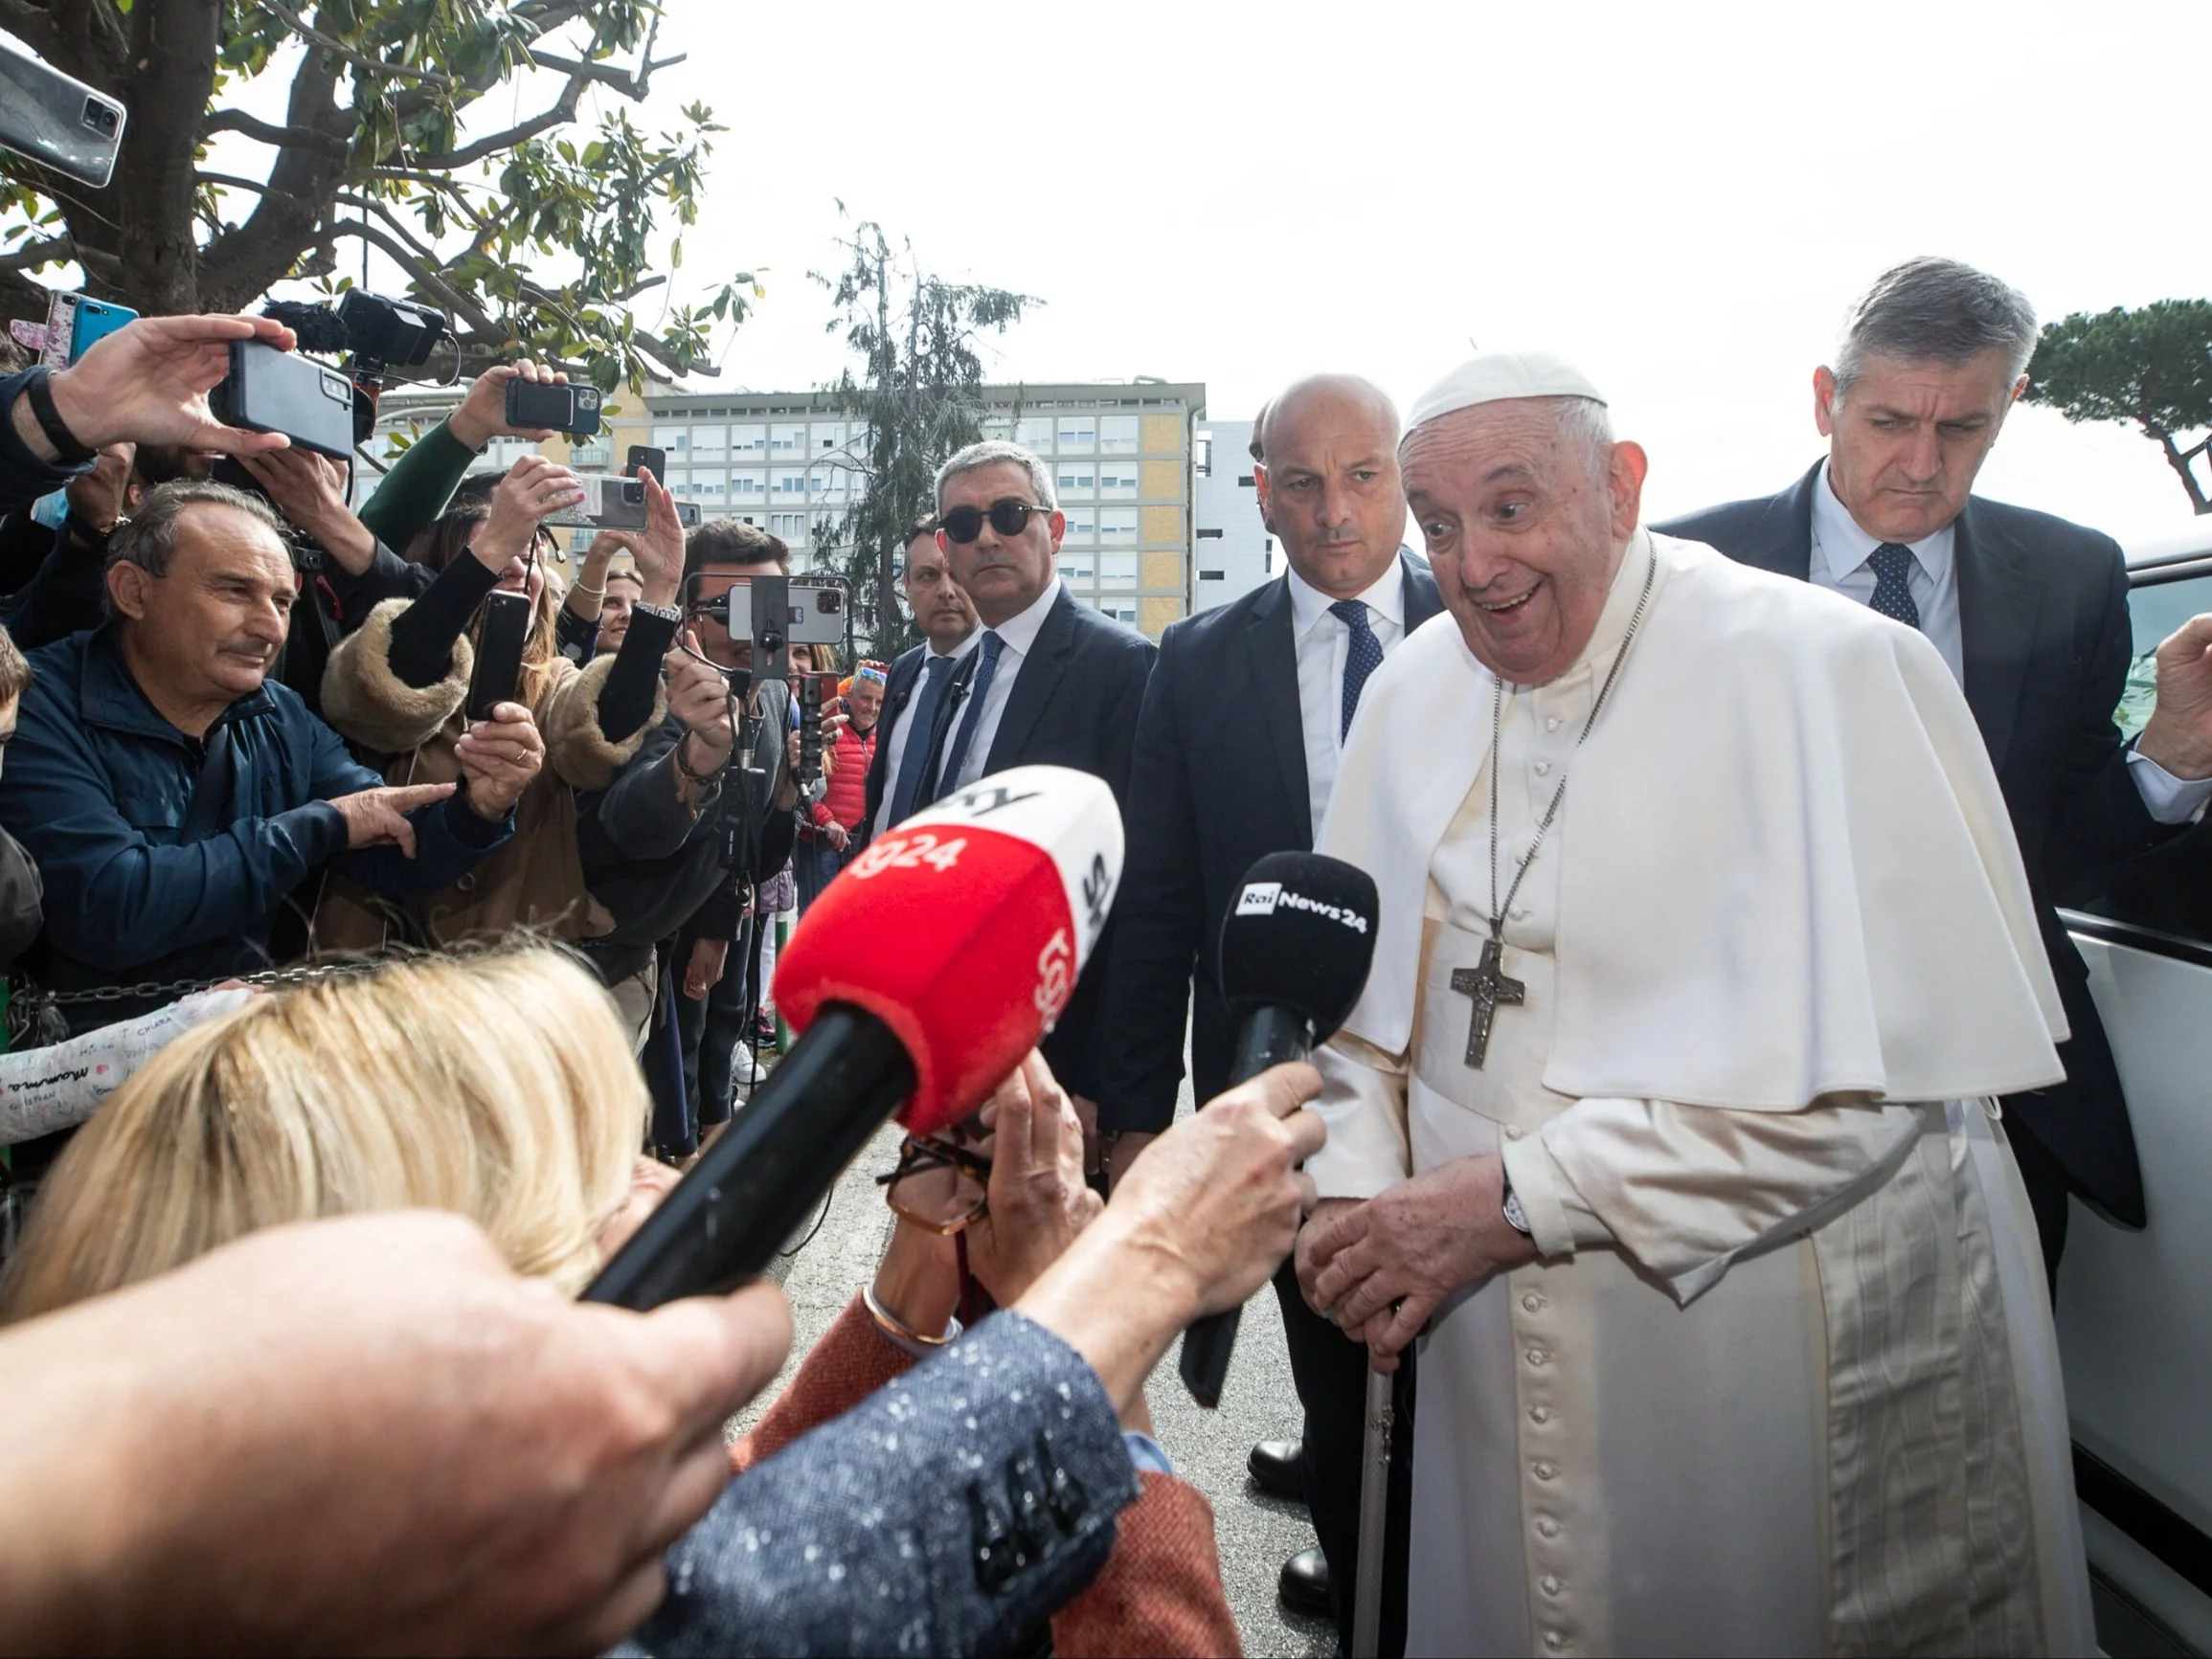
(1487, 984)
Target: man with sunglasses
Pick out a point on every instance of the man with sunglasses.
(1052, 682)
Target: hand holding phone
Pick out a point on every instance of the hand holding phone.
(498, 672)
(556, 406)
(148, 383)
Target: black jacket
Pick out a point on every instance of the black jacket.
(1074, 705)
(2043, 610)
(898, 689)
(1219, 782)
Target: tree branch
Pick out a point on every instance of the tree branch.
(346, 54)
(55, 249)
(562, 112)
(266, 132)
(630, 83)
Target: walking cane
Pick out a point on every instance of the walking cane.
(1374, 1505)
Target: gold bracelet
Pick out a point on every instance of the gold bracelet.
(892, 1326)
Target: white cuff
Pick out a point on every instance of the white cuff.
(1559, 1222)
(1364, 1109)
(2169, 800)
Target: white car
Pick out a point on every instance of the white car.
(2135, 1309)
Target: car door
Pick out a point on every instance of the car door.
(2135, 1308)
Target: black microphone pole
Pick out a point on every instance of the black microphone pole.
(724, 1220)
(1265, 1037)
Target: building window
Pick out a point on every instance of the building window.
(1214, 575)
(1118, 434)
(828, 435)
(1117, 483)
(709, 488)
(1210, 535)
(1035, 434)
(1078, 435)
(1118, 611)
(1118, 528)
(750, 441)
(672, 439)
(710, 441)
(1117, 571)
(595, 454)
(1245, 482)
(748, 486)
(1079, 481)
(1082, 525)
(787, 481)
(786, 439)
(788, 528)
(679, 484)
(1078, 566)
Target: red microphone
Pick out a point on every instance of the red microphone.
(918, 979)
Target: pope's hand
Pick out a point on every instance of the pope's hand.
(1378, 1269)
(2179, 735)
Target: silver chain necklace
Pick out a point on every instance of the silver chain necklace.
(1487, 983)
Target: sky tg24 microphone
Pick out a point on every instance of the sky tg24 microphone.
(920, 978)
(1294, 953)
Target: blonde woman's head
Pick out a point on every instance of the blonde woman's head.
(497, 1085)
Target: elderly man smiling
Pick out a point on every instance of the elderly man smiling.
(1703, 942)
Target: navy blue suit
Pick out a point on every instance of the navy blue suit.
(1074, 703)
(2043, 625)
(1218, 783)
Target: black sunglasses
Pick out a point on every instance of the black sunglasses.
(1009, 516)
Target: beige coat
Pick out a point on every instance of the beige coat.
(535, 880)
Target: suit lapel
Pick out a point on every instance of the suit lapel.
(1997, 621)
(1422, 600)
(1271, 650)
(897, 692)
(1041, 668)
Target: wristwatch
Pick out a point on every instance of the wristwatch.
(1516, 1217)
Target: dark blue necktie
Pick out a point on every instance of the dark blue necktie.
(949, 779)
(1363, 659)
(915, 758)
(1892, 583)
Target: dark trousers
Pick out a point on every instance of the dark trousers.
(814, 865)
(713, 1026)
(1331, 1373)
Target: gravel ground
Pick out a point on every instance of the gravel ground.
(1256, 1534)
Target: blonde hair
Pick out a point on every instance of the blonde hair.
(499, 1085)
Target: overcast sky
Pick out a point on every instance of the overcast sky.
(1681, 197)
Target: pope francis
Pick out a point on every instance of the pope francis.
(1704, 946)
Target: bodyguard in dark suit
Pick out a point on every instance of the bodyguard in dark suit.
(1050, 682)
(915, 688)
(2031, 612)
(1236, 750)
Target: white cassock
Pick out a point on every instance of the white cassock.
(1783, 1379)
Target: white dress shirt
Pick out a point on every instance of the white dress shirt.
(1324, 644)
(896, 732)
(1841, 550)
(1018, 637)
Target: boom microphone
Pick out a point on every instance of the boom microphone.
(920, 978)
(1294, 952)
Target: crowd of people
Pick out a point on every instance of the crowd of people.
(354, 1014)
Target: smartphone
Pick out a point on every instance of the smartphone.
(615, 503)
(95, 319)
(499, 643)
(550, 407)
(644, 459)
(61, 329)
(273, 390)
(61, 121)
(817, 612)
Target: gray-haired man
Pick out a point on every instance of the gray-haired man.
(2031, 615)
(1052, 682)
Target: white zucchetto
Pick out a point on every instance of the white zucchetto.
(1497, 376)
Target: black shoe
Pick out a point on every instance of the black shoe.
(1279, 1468)
(1305, 1585)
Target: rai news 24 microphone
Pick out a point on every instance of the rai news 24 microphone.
(918, 981)
(1294, 952)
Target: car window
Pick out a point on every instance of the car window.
(2169, 890)
(2154, 610)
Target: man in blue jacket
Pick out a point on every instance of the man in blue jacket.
(173, 799)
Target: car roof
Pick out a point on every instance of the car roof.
(2173, 546)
